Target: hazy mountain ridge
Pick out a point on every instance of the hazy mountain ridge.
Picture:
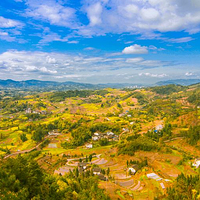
(69, 85)
(37, 84)
(184, 82)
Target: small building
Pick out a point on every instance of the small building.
(89, 146)
(125, 129)
(154, 176)
(43, 112)
(95, 138)
(116, 137)
(122, 114)
(196, 163)
(36, 112)
(129, 115)
(159, 127)
(96, 171)
(133, 169)
(102, 177)
(28, 111)
(110, 133)
(53, 133)
(162, 185)
(82, 165)
(52, 145)
(96, 134)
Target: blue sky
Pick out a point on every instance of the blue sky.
(100, 41)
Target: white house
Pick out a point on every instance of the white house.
(82, 165)
(28, 111)
(89, 146)
(196, 163)
(154, 176)
(162, 185)
(131, 170)
(96, 134)
(110, 133)
(95, 138)
(53, 133)
(159, 127)
(96, 171)
(125, 129)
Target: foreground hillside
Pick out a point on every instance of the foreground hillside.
(100, 144)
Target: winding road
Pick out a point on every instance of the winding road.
(27, 150)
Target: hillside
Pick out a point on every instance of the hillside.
(121, 143)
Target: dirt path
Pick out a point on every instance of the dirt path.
(25, 151)
(100, 161)
(63, 170)
(173, 139)
(120, 135)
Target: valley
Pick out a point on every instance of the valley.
(136, 142)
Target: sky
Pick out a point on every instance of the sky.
(100, 41)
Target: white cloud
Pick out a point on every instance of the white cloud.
(9, 23)
(72, 76)
(130, 10)
(73, 42)
(6, 36)
(153, 75)
(134, 60)
(18, 64)
(152, 63)
(180, 40)
(146, 17)
(135, 49)
(136, 16)
(149, 14)
(53, 12)
(94, 14)
(89, 48)
(189, 74)
(152, 47)
(3, 34)
(50, 60)
(45, 70)
(48, 37)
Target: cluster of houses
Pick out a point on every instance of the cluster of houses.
(53, 133)
(158, 128)
(125, 114)
(125, 129)
(29, 111)
(157, 178)
(108, 135)
(83, 166)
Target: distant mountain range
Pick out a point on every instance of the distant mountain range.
(184, 82)
(52, 85)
